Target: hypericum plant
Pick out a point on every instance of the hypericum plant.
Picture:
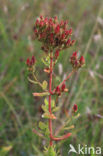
(55, 36)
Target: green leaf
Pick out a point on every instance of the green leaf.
(45, 109)
(51, 152)
(77, 116)
(47, 132)
(52, 103)
(42, 125)
(55, 109)
(45, 63)
(46, 102)
(44, 84)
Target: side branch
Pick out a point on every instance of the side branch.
(65, 79)
(66, 136)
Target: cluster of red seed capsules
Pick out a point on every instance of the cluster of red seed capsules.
(77, 62)
(30, 62)
(61, 89)
(53, 34)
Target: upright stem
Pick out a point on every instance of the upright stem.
(50, 87)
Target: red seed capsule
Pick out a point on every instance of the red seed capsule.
(75, 108)
(57, 29)
(28, 61)
(57, 90)
(70, 31)
(68, 42)
(56, 54)
(63, 87)
(82, 60)
(74, 54)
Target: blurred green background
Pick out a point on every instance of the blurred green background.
(19, 110)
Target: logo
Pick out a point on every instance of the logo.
(84, 150)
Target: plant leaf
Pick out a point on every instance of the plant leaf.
(45, 109)
(48, 116)
(46, 102)
(56, 109)
(51, 151)
(52, 103)
(42, 125)
(45, 62)
(41, 94)
(44, 84)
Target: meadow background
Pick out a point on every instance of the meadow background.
(19, 110)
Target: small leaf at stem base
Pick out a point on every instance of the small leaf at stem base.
(41, 94)
(48, 116)
(44, 85)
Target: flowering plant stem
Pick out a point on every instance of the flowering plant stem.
(50, 87)
(55, 37)
(50, 98)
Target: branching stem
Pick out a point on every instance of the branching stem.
(52, 138)
(50, 87)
